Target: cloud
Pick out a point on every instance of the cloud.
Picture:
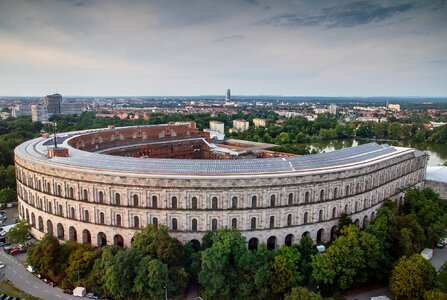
(347, 15)
(438, 61)
(229, 38)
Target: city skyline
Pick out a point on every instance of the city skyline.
(316, 48)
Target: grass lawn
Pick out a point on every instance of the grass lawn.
(11, 290)
(442, 278)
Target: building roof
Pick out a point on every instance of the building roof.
(35, 150)
(437, 174)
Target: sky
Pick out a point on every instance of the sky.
(254, 47)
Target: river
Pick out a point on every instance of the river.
(437, 152)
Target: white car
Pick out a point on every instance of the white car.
(2, 265)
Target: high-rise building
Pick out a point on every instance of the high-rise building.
(53, 103)
(228, 95)
(39, 113)
(333, 109)
(241, 125)
(259, 122)
(71, 107)
(217, 126)
(21, 110)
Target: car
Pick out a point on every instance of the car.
(15, 221)
(15, 251)
(440, 244)
(92, 295)
(7, 250)
(2, 265)
(68, 291)
(45, 280)
(2, 296)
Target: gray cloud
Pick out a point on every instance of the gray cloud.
(438, 61)
(229, 38)
(348, 15)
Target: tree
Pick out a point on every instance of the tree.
(151, 279)
(80, 263)
(301, 293)
(285, 269)
(7, 195)
(411, 277)
(19, 232)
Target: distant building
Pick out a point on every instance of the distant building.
(215, 135)
(71, 107)
(260, 122)
(53, 103)
(333, 109)
(39, 113)
(217, 126)
(228, 95)
(320, 111)
(241, 125)
(21, 110)
(395, 107)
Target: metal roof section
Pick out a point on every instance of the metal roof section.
(89, 161)
(438, 174)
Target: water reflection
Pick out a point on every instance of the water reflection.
(437, 152)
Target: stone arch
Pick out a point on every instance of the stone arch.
(271, 243)
(33, 220)
(72, 234)
(334, 212)
(60, 231)
(365, 221)
(320, 215)
(118, 240)
(195, 245)
(333, 233)
(102, 239)
(373, 214)
(253, 244)
(288, 241)
(322, 195)
(40, 224)
(357, 222)
(86, 237)
(306, 197)
(320, 236)
(306, 233)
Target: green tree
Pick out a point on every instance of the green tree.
(411, 277)
(301, 293)
(152, 278)
(285, 269)
(19, 232)
(7, 195)
(80, 264)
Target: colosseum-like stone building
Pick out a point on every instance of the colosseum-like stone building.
(100, 186)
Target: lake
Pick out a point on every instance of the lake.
(437, 152)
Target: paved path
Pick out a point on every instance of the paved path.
(27, 282)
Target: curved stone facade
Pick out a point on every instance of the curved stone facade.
(107, 204)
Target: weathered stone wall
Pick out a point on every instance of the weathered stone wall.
(102, 207)
(438, 187)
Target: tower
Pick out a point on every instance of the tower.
(228, 95)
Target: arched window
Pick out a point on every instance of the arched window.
(117, 199)
(347, 190)
(253, 224)
(174, 224)
(335, 193)
(214, 225)
(346, 209)
(355, 207)
(320, 215)
(100, 197)
(155, 221)
(194, 203)
(366, 184)
(85, 194)
(289, 220)
(48, 187)
(59, 210)
(154, 202)
(290, 199)
(71, 192)
(234, 223)
(174, 202)
(321, 195)
(272, 200)
(214, 203)
(101, 218)
(234, 202)
(194, 224)
(306, 197)
(365, 203)
(357, 188)
(118, 220)
(334, 212)
(72, 213)
(135, 200)
(59, 190)
(272, 222)
(254, 201)
(136, 222)
(306, 218)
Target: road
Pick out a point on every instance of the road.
(15, 271)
